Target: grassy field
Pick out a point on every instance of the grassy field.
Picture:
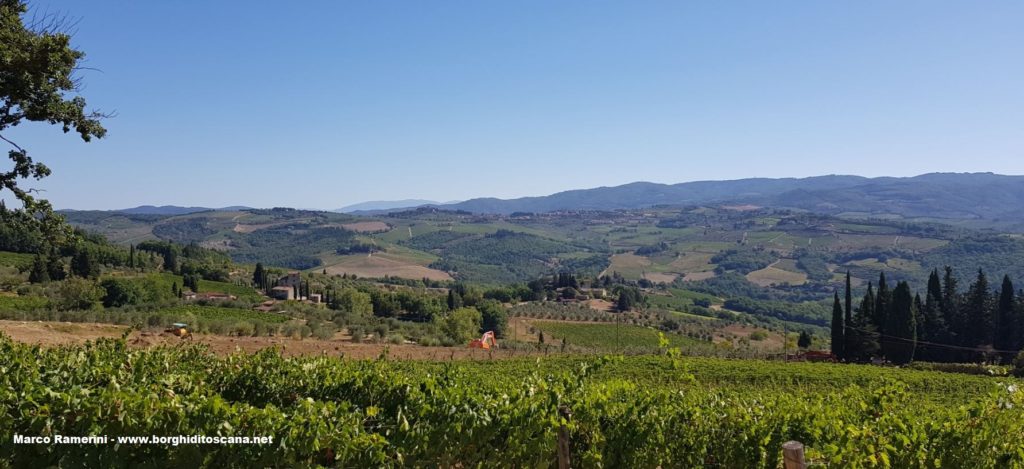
(677, 298)
(12, 302)
(629, 265)
(15, 259)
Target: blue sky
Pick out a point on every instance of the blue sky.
(327, 104)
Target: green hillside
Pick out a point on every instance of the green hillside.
(760, 253)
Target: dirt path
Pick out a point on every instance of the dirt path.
(50, 334)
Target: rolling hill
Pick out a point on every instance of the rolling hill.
(994, 200)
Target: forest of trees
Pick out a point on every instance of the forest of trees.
(948, 324)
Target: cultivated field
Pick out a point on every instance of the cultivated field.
(648, 411)
(51, 334)
(381, 264)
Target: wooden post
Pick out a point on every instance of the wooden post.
(793, 455)
(563, 439)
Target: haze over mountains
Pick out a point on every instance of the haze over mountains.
(937, 195)
(167, 209)
(954, 196)
(388, 205)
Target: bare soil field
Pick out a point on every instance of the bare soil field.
(50, 334)
(58, 333)
(660, 277)
(379, 265)
(696, 276)
(601, 305)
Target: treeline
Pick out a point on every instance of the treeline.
(191, 259)
(295, 245)
(742, 260)
(947, 325)
(808, 312)
(504, 256)
(451, 318)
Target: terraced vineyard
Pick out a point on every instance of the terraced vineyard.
(216, 312)
(636, 412)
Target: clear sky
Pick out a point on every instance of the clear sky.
(323, 105)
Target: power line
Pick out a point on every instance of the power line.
(935, 344)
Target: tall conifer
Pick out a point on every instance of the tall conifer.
(838, 328)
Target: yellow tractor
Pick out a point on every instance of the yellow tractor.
(180, 329)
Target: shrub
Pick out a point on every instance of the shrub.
(1018, 364)
(323, 332)
(78, 293)
(244, 329)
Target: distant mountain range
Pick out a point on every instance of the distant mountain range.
(377, 205)
(167, 210)
(954, 196)
(937, 195)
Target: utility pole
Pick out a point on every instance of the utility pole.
(785, 343)
(618, 343)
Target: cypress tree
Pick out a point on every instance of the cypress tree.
(849, 299)
(932, 327)
(1018, 312)
(1006, 319)
(882, 302)
(804, 340)
(454, 300)
(838, 328)
(38, 273)
(626, 301)
(899, 339)
(864, 333)
(950, 307)
(918, 307)
(55, 265)
(259, 275)
(980, 327)
(131, 256)
(82, 264)
(849, 335)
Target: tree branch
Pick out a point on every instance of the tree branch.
(12, 143)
